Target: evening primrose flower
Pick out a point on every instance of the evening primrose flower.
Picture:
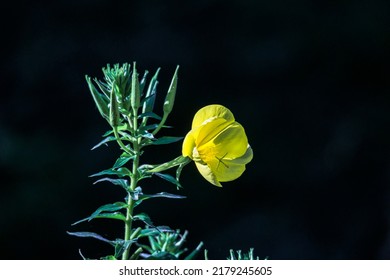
(217, 144)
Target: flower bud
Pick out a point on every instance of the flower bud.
(170, 98)
(135, 92)
(101, 100)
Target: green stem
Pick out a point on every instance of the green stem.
(160, 125)
(133, 184)
(118, 139)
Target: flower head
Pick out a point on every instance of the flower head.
(217, 144)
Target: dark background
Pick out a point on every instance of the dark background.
(308, 80)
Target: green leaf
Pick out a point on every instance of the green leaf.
(122, 160)
(149, 115)
(165, 140)
(119, 182)
(146, 134)
(106, 208)
(161, 194)
(121, 172)
(169, 178)
(121, 246)
(92, 235)
(154, 231)
(144, 217)
(104, 142)
(143, 197)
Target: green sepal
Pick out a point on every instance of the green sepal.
(170, 97)
(101, 100)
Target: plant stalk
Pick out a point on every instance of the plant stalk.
(133, 184)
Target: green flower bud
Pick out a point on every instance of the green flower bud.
(101, 100)
(114, 110)
(135, 96)
(170, 98)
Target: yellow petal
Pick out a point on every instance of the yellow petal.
(209, 131)
(246, 158)
(226, 171)
(188, 145)
(230, 143)
(211, 112)
(206, 172)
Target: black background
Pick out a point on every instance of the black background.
(309, 81)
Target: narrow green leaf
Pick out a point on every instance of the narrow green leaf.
(154, 231)
(145, 218)
(165, 140)
(149, 115)
(121, 172)
(122, 160)
(161, 194)
(169, 178)
(119, 182)
(121, 246)
(114, 216)
(106, 208)
(103, 87)
(92, 235)
(104, 142)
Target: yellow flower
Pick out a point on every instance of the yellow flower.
(217, 144)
